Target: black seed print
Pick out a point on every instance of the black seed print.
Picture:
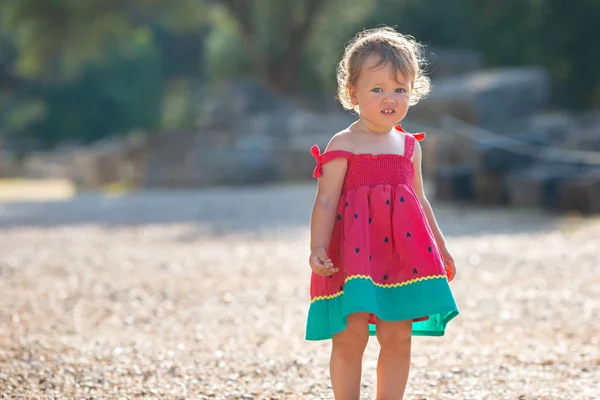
(387, 202)
(415, 271)
(370, 219)
(429, 249)
(386, 240)
(355, 216)
(369, 258)
(339, 253)
(330, 276)
(407, 234)
(385, 278)
(401, 199)
(341, 288)
(346, 204)
(339, 217)
(357, 250)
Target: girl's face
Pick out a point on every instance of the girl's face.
(382, 95)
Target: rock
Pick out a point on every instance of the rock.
(539, 185)
(296, 161)
(589, 119)
(229, 105)
(581, 193)
(489, 188)
(192, 159)
(455, 183)
(9, 167)
(444, 63)
(305, 130)
(233, 166)
(273, 126)
(306, 123)
(167, 153)
(524, 189)
(556, 125)
(487, 98)
(585, 139)
(110, 160)
(442, 149)
(47, 165)
(502, 154)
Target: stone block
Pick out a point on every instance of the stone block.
(455, 183)
(486, 98)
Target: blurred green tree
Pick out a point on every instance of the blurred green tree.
(78, 71)
(56, 39)
(276, 41)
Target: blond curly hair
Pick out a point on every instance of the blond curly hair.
(403, 52)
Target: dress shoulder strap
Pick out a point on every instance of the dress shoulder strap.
(409, 142)
(324, 158)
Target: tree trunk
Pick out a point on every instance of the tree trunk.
(280, 72)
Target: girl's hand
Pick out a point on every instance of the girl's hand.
(448, 264)
(320, 262)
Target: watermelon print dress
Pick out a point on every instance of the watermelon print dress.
(388, 261)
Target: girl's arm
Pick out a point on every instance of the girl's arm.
(329, 189)
(418, 187)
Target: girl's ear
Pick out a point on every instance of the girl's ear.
(353, 97)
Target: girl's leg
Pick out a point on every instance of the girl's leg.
(394, 358)
(347, 351)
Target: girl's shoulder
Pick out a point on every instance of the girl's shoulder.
(341, 141)
(338, 147)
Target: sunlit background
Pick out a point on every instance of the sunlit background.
(197, 93)
(155, 193)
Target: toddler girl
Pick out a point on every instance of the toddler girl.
(380, 265)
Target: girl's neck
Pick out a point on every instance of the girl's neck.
(369, 127)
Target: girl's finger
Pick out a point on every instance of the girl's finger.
(325, 260)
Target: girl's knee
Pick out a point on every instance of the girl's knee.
(394, 334)
(356, 334)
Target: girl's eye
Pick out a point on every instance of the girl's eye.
(377, 90)
(400, 90)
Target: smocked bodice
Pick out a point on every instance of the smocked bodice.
(380, 169)
(373, 169)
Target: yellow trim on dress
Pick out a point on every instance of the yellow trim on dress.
(382, 285)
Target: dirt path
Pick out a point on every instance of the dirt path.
(203, 295)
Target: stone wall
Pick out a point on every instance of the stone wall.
(489, 153)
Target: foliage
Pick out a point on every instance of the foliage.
(79, 70)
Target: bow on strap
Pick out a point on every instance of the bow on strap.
(316, 152)
(419, 136)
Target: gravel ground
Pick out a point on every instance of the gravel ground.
(203, 295)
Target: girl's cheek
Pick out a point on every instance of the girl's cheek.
(404, 98)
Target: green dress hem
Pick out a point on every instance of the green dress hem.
(427, 297)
